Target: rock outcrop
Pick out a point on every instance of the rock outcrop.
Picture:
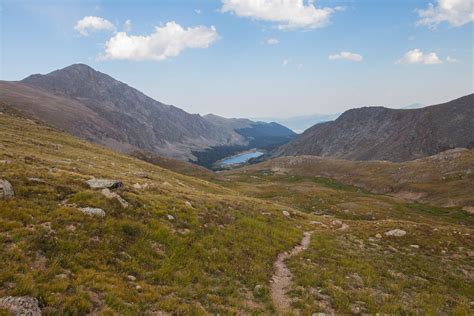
(6, 190)
(21, 305)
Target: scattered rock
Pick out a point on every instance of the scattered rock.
(266, 213)
(104, 184)
(356, 280)
(112, 195)
(469, 209)
(396, 233)
(379, 236)
(6, 190)
(21, 305)
(170, 217)
(71, 228)
(139, 186)
(93, 211)
(344, 227)
(131, 278)
(315, 223)
(286, 213)
(36, 180)
(138, 287)
(415, 246)
(188, 204)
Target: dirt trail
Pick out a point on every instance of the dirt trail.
(281, 279)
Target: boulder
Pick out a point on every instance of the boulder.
(6, 190)
(286, 213)
(104, 184)
(93, 211)
(21, 305)
(396, 233)
(112, 195)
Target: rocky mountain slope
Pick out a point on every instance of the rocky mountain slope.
(98, 108)
(378, 133)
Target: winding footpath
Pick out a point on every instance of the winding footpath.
(282, 277)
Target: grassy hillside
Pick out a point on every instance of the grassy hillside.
(445, 179)
(137, 259)
(189, 246)
(353, 267)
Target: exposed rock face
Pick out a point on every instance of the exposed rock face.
(93, 211)
(21, 305)
(6, 190)
(104, 184)
(377, 133)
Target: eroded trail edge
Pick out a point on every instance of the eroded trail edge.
(282, 276)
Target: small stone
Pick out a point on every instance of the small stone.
(286, 213)
(315, 223)
(170, 217)
(344, 227)
(188, 204)
(138, 287)
(6, 190)
(36, 180)
(396, 233)
(104, 184)
(93, 211)
(378, 236)
(415, 246)
(21, 305)
(131, 278)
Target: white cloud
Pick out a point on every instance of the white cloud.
(286, 62)
(454, 12)
(416, 56)
(166, 41)
(90, 24)
(272, 41)
(289, 14)
(127, 26)
(452, 60)
(347, 56)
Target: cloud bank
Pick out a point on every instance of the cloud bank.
(454, 12)
(416, 56)
(289, 14)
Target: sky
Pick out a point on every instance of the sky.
(252, 58)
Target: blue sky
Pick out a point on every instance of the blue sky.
(238, 59)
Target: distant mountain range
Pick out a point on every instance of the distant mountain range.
(300, 123)
(378, 133)
(98, 108)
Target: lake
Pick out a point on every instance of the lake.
(241, 158)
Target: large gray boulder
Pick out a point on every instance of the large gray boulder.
(6, 190)
(21, 305)
(104, 184)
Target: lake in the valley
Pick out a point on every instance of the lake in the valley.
(241, 158)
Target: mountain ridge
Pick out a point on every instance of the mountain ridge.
(96, 107)
(379, 133)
